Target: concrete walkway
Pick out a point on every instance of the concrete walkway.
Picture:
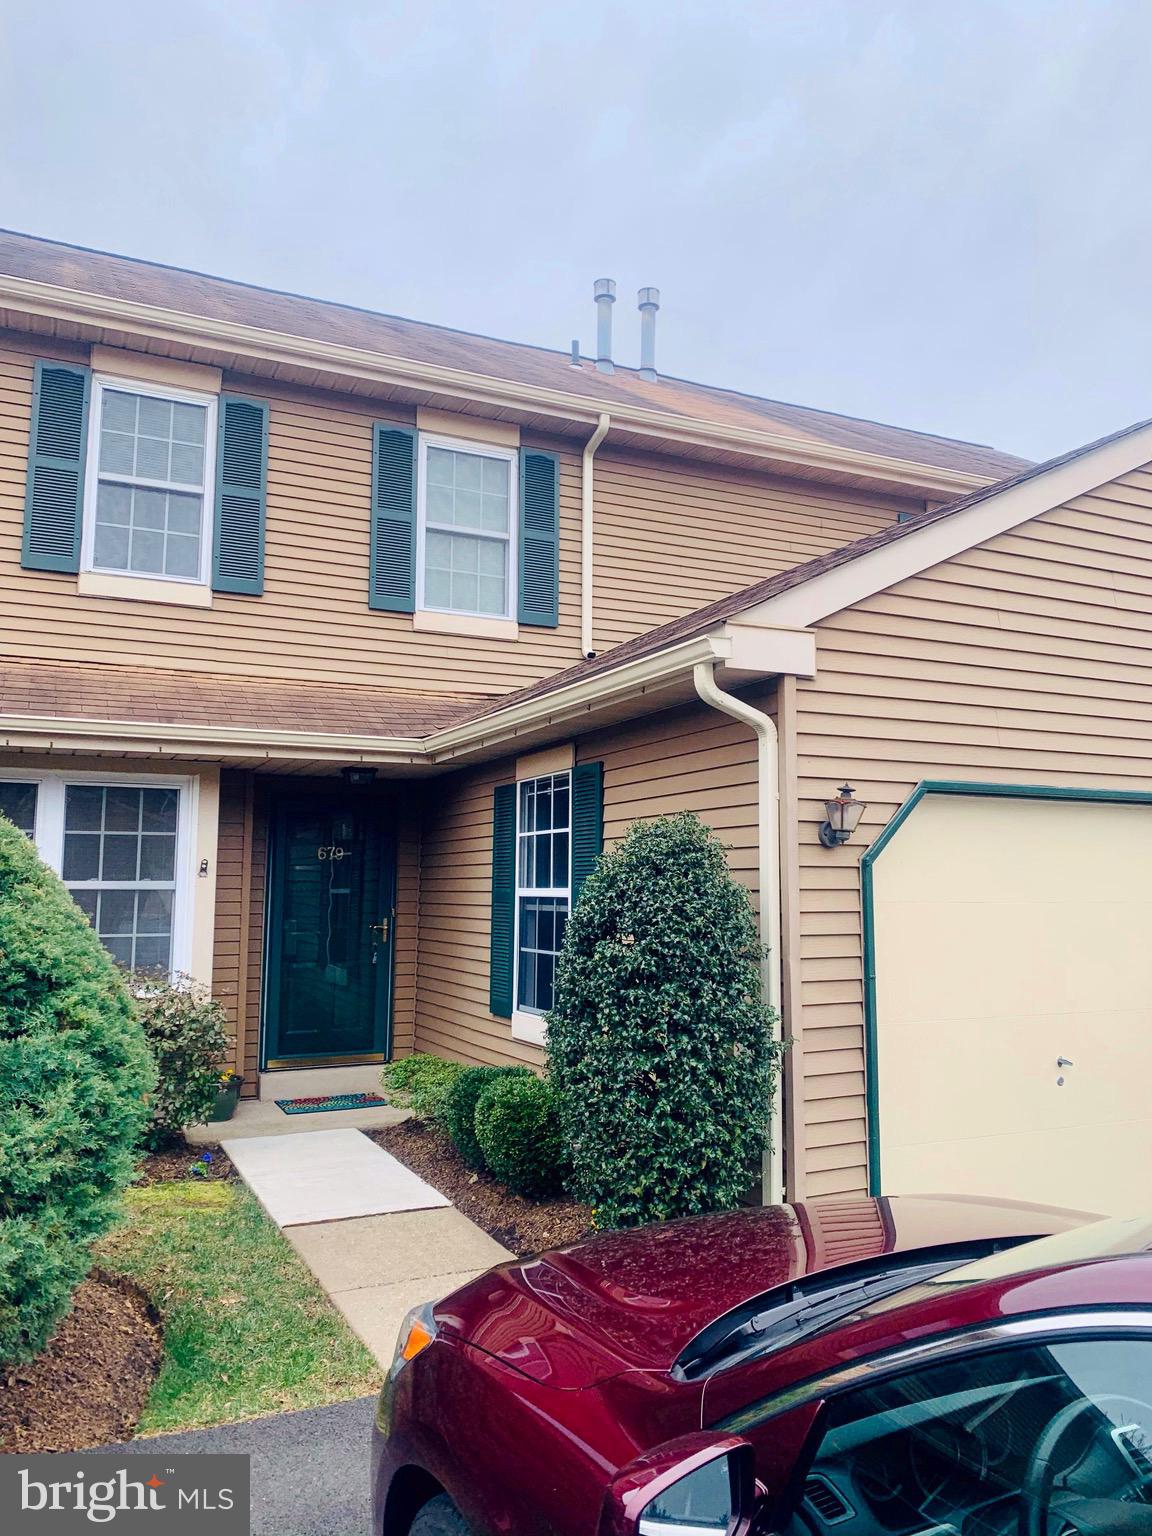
(415, 1247)
(327, 1176)
(310, 1474)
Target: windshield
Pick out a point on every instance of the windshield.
(1111, 1238)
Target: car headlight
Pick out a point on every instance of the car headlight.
(417, 1331)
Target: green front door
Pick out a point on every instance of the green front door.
(329, 965)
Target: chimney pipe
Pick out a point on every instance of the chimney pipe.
(648, 300)
(604, 291)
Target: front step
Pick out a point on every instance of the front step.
(311, 1082)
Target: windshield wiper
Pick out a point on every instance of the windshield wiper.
(800, 1317)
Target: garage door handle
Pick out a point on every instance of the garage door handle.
(1063, 1061)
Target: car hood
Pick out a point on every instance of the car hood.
(634, 1300)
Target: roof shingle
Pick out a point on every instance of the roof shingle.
(194, 293)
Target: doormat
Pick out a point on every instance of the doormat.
(330, 1101)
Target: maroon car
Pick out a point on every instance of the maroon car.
(903, 1367)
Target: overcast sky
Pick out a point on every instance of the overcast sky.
(929, 212)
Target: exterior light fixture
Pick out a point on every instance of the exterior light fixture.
(844, 815)
(358, 776)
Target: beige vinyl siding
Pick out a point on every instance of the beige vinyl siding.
(670, 537)
(684, 759)
(405, 931)
(1027, 660)
(233, 883)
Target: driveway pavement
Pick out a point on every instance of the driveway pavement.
(309, 1469)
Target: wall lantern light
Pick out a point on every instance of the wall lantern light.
(359, 777)
(844, 815)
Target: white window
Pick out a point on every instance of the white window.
(543, 886)
(118, 844)
(148, 486)
(466, 528)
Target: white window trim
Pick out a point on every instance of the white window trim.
(49, 835)
(106, 381)
(527, 1024)
(511, 456)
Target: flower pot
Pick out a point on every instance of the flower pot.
(227, 1097)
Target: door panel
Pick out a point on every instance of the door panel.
(1010, 933)
(329, 931)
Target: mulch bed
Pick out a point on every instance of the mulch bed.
(527, 1227)
(178, 1162)
(89, 1385)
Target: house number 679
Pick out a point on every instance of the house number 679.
(330, 852)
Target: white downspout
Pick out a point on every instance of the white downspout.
(587, 648)
(768, 869)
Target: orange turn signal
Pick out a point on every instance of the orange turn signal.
(418, 1338)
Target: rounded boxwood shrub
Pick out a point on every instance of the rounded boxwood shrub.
(520, 1137)
(187, 1032)
(419, 1082)
(75, 1075)
(659, 1047)
(458, 1111)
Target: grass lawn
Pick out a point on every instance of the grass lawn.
(247, 1331)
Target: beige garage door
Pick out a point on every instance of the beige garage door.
(1010, 933)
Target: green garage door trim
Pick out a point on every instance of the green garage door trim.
(936, 787)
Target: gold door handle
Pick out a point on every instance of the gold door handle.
(382, 929)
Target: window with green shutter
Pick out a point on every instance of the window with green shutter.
(392, 561)
(241, 494)
(54, 499)
(502, 944)
(539, 539)
(547, 836)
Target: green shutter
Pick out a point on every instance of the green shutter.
(392, 568)
(241, 492)
(502, 960)
(54, 500)
(539, 539)
(587, 822)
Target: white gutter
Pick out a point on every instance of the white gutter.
(587, 648)
(768, 873)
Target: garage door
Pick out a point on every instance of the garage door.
(1010, 933)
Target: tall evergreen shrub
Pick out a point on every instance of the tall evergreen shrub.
(659, 1046)
(75, 1075)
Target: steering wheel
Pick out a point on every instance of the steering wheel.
(1096, 1516)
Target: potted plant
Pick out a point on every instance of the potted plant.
(228, 1089)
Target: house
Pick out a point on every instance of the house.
(335, 646)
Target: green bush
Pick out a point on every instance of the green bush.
(187, 1031)
(519, 1135)
(458, 1111)
(659, 1047)
(75, 1075)
(419, 1082)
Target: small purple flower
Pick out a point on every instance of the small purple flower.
(205, 1157)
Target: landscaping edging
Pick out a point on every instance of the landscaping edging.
(525, 1227)
(89, 1385)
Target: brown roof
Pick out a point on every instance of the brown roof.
(193, 293)
(108, 692)
(724, 608)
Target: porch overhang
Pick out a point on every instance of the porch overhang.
(743, 653)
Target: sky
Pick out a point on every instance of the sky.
(933, 214)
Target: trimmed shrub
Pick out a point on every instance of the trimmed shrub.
(75, 1075)
(659, 1047)
(419, 1082)
(519, 1135)
(458, 1111)
(187, 1032)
